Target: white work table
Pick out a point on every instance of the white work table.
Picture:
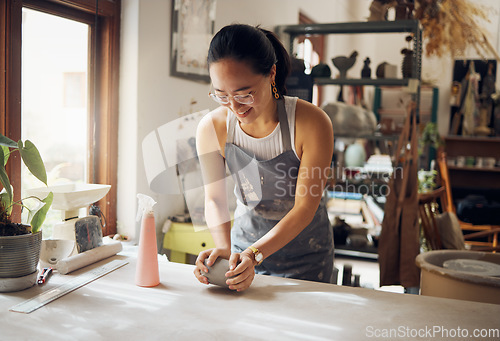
(181, 308)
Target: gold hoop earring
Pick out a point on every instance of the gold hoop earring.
(275, 91)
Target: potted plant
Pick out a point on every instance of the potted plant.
(20, 243)
(429, 142)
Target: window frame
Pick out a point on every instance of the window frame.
(103, 88)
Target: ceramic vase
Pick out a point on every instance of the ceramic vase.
(407, 65)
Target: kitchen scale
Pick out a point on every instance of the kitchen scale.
(86, 231)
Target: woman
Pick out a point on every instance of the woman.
(278, 150)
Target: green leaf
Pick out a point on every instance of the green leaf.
(32, 159)
(5, 141)
(6, 203)
(4, 179)
(39, 216)
(5, 153)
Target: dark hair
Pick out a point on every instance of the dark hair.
(260, 48)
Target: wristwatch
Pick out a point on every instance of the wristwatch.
(259, 257)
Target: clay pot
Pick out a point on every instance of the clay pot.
(19, 256)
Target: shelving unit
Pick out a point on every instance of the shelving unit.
(289, 33)
(472, 177)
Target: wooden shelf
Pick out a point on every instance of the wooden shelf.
(374, 137)
(470, 177)
(361, 81)
(480, 139)
(398, 26)
(472, 146)
(474, 169)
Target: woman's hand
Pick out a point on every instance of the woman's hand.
(241, 269)
(212, 255)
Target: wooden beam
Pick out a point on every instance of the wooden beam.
(10, 88)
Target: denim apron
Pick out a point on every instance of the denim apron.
(265, 192)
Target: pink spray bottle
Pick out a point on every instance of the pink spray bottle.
(147, 273)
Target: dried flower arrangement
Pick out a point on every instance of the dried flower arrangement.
(451, 26)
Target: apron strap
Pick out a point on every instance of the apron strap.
(283, 120)
(285, 129)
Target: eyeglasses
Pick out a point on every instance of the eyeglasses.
(224, 99)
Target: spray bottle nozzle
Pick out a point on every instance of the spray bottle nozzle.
(146, 204)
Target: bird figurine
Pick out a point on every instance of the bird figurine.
(343, 63)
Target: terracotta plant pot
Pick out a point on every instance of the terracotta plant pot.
(19, 256)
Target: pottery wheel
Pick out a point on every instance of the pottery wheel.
(474, 267)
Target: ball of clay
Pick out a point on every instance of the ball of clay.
(217, 272)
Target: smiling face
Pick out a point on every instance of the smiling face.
(231, 78)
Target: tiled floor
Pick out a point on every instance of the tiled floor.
(368, 271)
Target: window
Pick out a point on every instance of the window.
(79, 95)
(54, 68)
(75, 89)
